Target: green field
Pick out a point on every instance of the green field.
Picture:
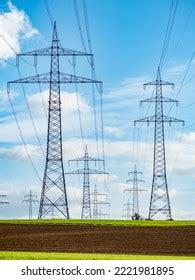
(5, 255)
(78, 256)
(102, 222)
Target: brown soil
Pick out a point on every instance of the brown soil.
(98, 239)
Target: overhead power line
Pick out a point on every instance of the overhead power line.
(22, 138)
(169, 30)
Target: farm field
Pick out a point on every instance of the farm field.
(159, 223)
(76, 239)
(79, 256)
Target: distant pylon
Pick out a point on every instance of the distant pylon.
(53, 213)
(159, 201)
(97, 203)
(53, 193)
(86, 171)
(128, 210)
(3, 201)
(135, 190)
(30, 199)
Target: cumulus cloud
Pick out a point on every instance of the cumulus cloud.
(130, 87)
(15, 27)
(116, 131)
(68, 102)
(176, 70)
(19, 153)
(69, 114)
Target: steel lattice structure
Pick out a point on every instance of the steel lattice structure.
(30, 199)
(53, 193)
(159, 201)
(97, 202)
(86, 171)
(135, 190)
(3, 201)
(128, 210)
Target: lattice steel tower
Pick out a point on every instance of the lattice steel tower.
(159, 201)
(3, 201)
(30, 199)
(135, 190)
(97, 203)
(86, 171)
(128, 210)
(54, 189)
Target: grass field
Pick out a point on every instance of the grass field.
(102, 222)
(77, 256)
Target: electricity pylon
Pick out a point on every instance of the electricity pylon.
(86, 171)
(128, 210)
(3, 201)
(135, 190)
(97, 203)
(30, 199)
(53, 193)
(159, 201)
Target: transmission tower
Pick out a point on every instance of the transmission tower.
(53, 214)
(159, 201)
(135, 190)
(97, 203)
(86, 171)
(30, 199)
(53, 193)
(3, 201)
(128, 210)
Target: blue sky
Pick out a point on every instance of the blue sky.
(127, 38)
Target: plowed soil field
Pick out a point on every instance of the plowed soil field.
(167, 240)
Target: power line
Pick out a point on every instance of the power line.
(183, 80)
(22, 138)
(90, 61)
(93, 74)
(182, 32)
(79, 27)
(24, 93)
(49, 13)
(93, 89)
(30, 114)
(14, 51)
(41, 93)
(169, 29)
(15, 116)
(78, 109)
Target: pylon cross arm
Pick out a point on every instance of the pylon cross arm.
(89, 171)
(166, 119)
(147, 120)
(85, 158)
(46, 79)
(160, 83)
(171, 120)
(164, 99)
(133, 180)
(48, 52)
(4, 202)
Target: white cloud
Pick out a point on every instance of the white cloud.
(15, 27)
(116, 131)
(68, 102)
(176, 70)
(129, 88)
(19, 153)
(70, 121)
